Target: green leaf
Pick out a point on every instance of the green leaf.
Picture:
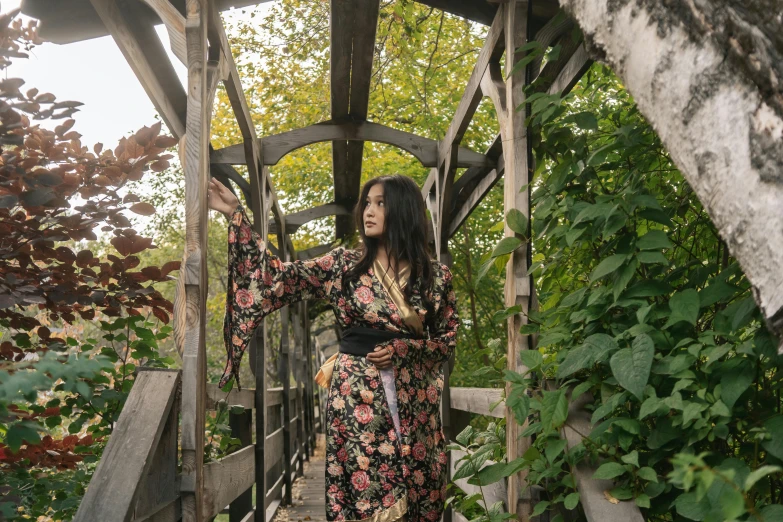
(540, 508)
(571, 500)
(464, 436)
(502, 315)
(532, 359)
(732, 503)
(554, 409)
(586, 121)
(519, 403)
(648, 288)
(647, 474)
(517, 221)
(607, 266)
(774, 445)
(658, 216)
(631, 366)
(759, 474)
(684, 306)
(631, 458)
(19, 433)
(735, 382)
(554, 448)
(624, 276)
(495, 472)
(654, 240)
(595, 349)
(773, 513)
(609, 470)
(652, 258)
(689, 507)
(506, 246)
(614, 222)
(643, 501)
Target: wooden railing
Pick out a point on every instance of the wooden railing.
(466, 402)
(137, 479)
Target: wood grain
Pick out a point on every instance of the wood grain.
(279, 145)
(479, 401)
(518, 164)
(226, 479)
(143, 51)
(112, 495)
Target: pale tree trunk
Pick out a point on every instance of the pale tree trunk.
(708, 75)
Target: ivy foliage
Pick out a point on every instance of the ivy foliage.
(644, 314)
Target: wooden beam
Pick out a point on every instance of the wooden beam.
(274, 447)
(474, 184)
(112, 495)
(277, 146)
(490, 52)
(475, 10)
(297, 219)
(160, 486)
(143, 51)
(242, 429)
(194, 365)
(244, 398)
(574, 69)
(353, 26)
(479, 401)
(175, 26)
(517, 291)
(226, 479)
(64, 22)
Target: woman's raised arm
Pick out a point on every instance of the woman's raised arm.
(260, 283)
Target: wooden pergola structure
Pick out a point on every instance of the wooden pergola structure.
(148, 486)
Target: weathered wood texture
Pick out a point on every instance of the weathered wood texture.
(112, 495)
(517, 157)
(279, 145)
(160, 486)
(195, 267)
(482, 401)
(143, 51)
(708, 77)
(227, 478)
(242, 429)
(353, 24)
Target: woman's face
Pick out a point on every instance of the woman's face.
(374, 212)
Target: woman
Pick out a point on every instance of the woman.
(385, 452)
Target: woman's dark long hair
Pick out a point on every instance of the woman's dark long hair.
(404, 234)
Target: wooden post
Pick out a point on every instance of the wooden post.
(194, 371)
(242, 429)
(285, 379)
(517, 287)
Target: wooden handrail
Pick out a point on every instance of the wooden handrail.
(118, 480)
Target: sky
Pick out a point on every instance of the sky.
(95, 73)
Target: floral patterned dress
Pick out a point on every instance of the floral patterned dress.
(371, 474)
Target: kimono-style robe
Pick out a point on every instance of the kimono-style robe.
(371, 474)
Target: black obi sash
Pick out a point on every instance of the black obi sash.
(360, 340)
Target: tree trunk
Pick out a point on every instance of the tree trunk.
(707, 75)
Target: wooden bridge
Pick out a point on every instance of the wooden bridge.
(153, 467)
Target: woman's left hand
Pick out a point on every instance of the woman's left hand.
(381, 357)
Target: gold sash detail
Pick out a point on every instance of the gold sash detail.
(409, 316)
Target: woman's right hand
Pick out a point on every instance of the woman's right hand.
(221, 199)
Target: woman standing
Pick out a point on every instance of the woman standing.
(385, 451)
